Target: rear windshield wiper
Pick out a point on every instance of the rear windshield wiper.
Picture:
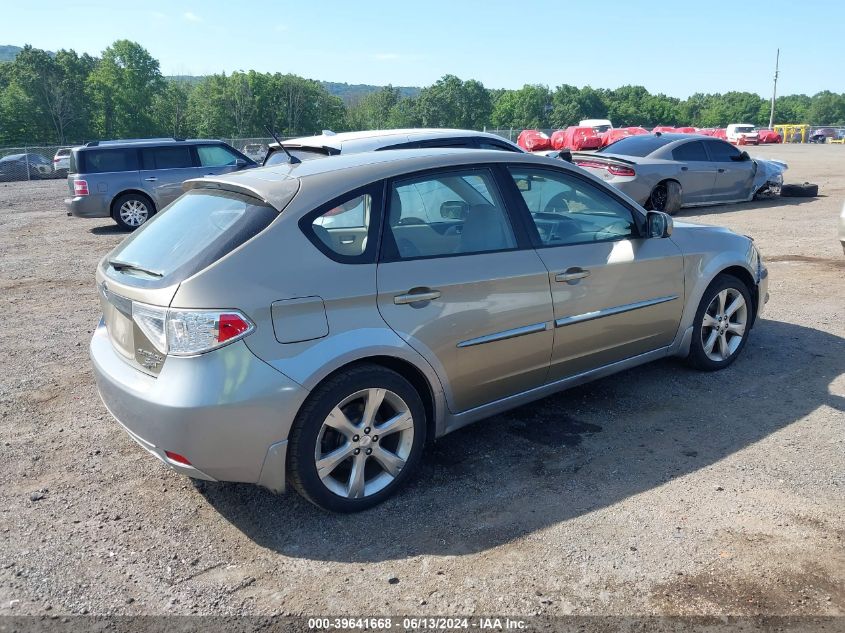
(121, 266)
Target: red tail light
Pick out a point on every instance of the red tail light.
(80, 187)
(231, 325)
(616, 170)
(619, 170)
(176, 457)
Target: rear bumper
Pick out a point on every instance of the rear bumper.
(226, 411)
(92, 206)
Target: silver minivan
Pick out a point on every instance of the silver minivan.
(130, 180)
(317, 323)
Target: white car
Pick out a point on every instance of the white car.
(61, 161)
(742, 134)
(329, 144)
(255, 151)
(599, 125)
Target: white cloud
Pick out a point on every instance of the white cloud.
(191, 17)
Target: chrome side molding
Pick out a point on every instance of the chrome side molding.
(598, 314)
(506, 334)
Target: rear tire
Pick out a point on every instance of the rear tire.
(666, 197)
(806, 190)
(132, 210)
(722, 324)
(368, 421)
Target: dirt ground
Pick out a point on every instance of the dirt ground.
(657, 491)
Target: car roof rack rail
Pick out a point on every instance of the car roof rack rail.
(132, 140)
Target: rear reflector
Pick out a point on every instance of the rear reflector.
(80, 187)
(176, 457)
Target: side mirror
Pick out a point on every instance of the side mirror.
(659, 224)
(240, 163)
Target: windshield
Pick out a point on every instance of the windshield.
(601, 128)
(745, 129)
(639, 145)
(192, 233)
(277, 156)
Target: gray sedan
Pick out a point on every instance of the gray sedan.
(665, 172)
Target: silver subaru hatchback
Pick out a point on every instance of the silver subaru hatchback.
(318, 323)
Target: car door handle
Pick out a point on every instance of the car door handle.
(151, 179)
(573, 274)
(721, 170)
(415, 297)
(347, 240)
(684, 168)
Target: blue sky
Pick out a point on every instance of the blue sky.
(678, 47)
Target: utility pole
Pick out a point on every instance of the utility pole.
(774, 92)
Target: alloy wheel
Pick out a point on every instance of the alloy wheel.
(364, 443)
(134, 212)
(723, 325)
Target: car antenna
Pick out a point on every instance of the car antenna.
(291, 158)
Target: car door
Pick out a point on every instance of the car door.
(616, 294)
(458, 280)
(164, 169)
(734, 177)
(697, 173)
(218, 159)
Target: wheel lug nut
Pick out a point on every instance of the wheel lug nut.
(369, 451)
(357, 451)
(355, 438)
(367, 430)
(375, 438)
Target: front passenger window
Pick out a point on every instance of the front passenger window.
(566, 210)
(215, 156)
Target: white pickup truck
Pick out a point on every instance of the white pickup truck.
(742, 134)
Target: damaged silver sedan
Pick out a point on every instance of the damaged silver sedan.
(665, 172)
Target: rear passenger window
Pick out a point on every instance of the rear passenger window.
(105, 160)
(343, 229)
(216, 156)
(177, 157)
(448, 214)
(693, 151)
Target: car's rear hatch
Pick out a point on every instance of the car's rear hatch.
(199, 229)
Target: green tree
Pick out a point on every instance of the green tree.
(122, 88)
(170, 108)
(451, 102)
(827, 108)
(374, 111)
(528, 107)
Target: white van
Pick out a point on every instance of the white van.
(742, 133)
(599, 125)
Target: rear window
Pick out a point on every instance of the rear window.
(98, 161)
(277, 156)
(63, 152)
(640, 145)
(191, 234)
(178, 157)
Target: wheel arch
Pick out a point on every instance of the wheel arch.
(409, 372)
(118, 196)
(663, 181)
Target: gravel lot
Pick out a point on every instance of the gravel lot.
(657, 491)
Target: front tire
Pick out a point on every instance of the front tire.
(722, 324)
(132, 210)
(665, 197)
(357, 439)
